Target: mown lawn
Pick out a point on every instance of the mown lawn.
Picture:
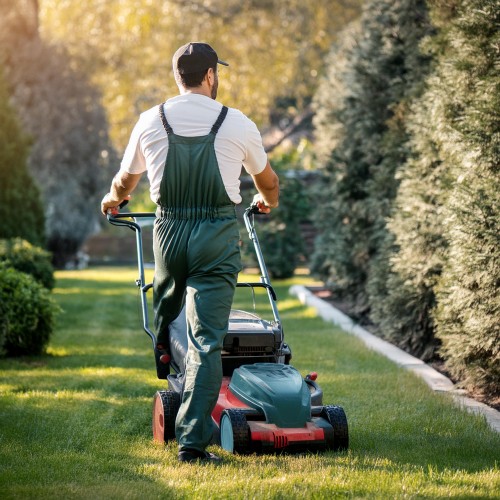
(76, 422)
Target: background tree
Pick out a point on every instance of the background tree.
(468, 297)
(416, 247)
(21, 210)
(275, 49)
(62, 112)
(378, 70)
(284, 248)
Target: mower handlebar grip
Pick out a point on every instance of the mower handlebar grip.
(254, 209)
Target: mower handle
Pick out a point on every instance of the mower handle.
(253, 209)
(129, 219)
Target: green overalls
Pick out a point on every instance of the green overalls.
(197, 261)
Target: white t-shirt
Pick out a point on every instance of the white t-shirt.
(238, 142)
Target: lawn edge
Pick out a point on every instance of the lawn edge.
(435, 380)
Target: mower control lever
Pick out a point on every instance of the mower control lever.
(254, 209)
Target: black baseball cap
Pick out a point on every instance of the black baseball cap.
(195, 57)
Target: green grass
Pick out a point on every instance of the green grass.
(76, 422)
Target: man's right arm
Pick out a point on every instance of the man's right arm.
(122, 185)
(268, 186)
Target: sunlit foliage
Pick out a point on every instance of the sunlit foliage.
(275, 48)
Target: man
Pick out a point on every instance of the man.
(193, 148)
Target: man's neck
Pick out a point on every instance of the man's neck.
(201, 90)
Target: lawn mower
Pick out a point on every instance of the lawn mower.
(264, 404)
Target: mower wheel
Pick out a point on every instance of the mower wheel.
(336, 417)
(165, 407)
(234, 432)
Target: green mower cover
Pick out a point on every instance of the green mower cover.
(277, 390)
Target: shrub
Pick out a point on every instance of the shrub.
(280, 232)
(26, 258)
(26, 313)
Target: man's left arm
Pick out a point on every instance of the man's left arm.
(122, 186)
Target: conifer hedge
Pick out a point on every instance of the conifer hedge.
(468, 311)
(362, 105)
(410, 202)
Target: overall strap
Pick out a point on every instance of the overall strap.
(166, 125)
(218, 123)
(215, 128)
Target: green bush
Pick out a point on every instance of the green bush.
(280, 233)
(26, 313)
(24, 257)
(280, 238)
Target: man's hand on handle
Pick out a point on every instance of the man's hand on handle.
(268, 186)
(112, 206)
(261, 204)
(122, 185)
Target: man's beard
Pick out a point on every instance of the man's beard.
(215, 87)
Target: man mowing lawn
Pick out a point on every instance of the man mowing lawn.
(192, 149)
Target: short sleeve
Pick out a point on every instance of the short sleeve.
(256, 158)
(133, 160)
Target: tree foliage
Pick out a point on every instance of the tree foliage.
(63, 114)
(416, 243)
(362, 104)
(21, 210)
(428, 259)
(275, 49)
(468, 296)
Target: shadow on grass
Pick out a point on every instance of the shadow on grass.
(108, 374)
(74, 441)
(425, 450)
(390, 438)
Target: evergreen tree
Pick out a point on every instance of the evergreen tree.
(378, 75)
(468, 313)
(444, 273)
(416, 247)
(21, 210)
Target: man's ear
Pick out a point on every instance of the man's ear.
(210, 76)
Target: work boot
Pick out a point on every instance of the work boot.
(189, 455)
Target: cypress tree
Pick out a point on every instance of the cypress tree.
(468, 312)
(377, 76)
(444, 273)
(416, 246)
